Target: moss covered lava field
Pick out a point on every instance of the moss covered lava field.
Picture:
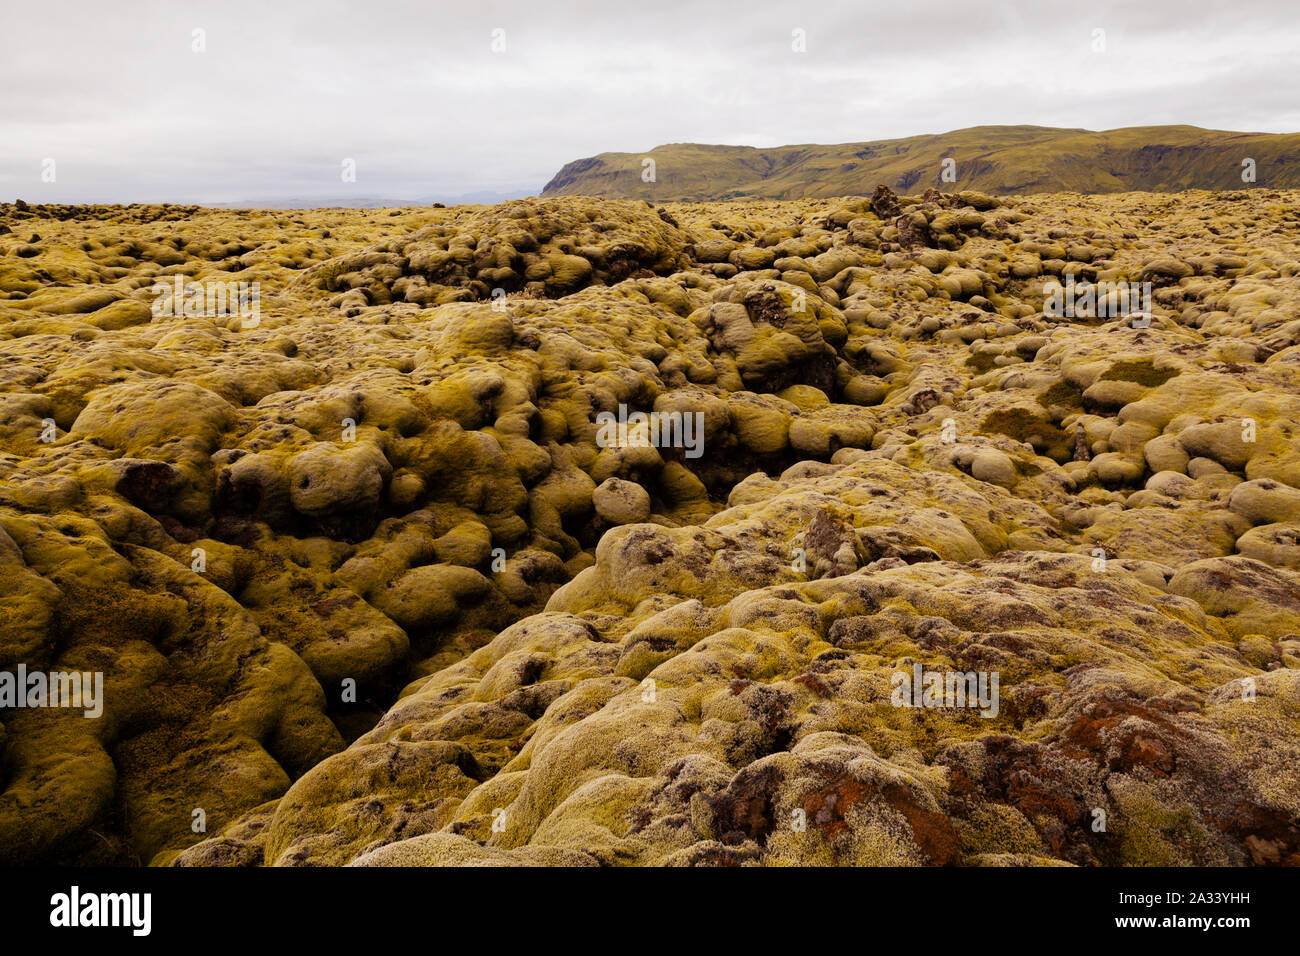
(367, 585)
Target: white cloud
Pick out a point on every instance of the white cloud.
(415, 94)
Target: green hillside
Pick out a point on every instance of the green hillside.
(997, 159)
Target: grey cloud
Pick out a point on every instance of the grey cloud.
(413, 92)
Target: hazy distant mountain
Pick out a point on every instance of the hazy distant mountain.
(485, 197)
(998, 159)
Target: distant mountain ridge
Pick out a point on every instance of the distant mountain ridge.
(996, 159)
(485, 197)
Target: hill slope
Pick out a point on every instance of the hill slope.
(998, 159)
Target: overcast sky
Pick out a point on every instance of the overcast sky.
(414, 93)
